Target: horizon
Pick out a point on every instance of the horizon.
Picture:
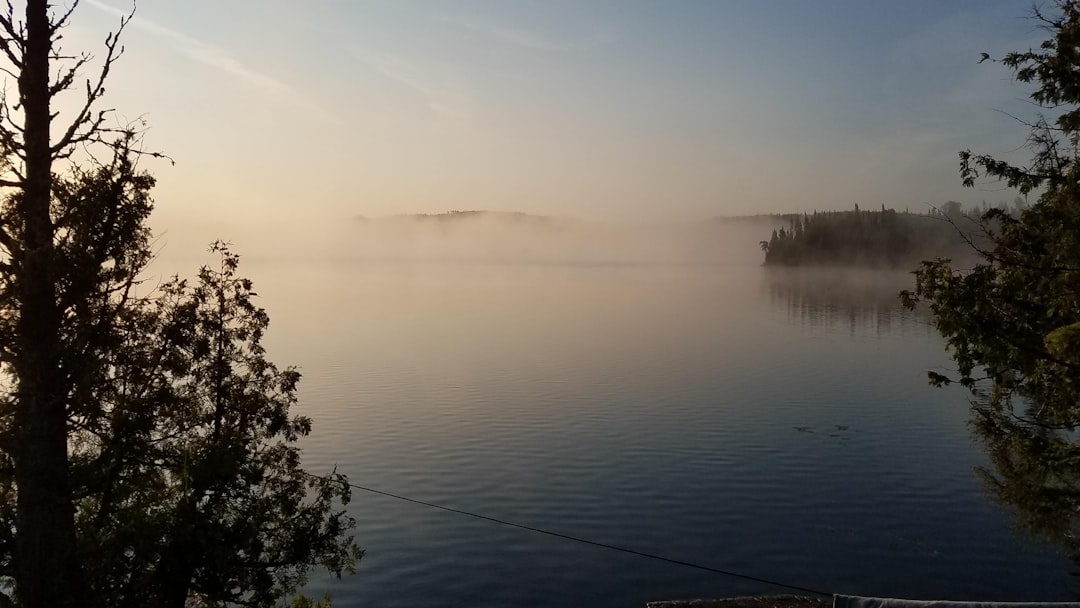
(602, 111)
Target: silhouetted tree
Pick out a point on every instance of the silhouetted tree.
(869, 238)
(147, 456)
(1012, 324)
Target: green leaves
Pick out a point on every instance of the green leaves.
(1064, 343)
(1012, 323)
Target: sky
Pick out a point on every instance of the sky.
(625, 110)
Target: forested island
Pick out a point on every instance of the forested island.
(882, 238)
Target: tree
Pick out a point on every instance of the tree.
(193, 487)
(147, 452)
(859, 238)
(1012, 323)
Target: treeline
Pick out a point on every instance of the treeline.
(884, 238)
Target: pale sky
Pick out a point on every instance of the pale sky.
(628, 109)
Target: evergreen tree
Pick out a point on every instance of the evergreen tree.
(147, 452)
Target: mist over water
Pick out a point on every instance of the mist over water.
(480, 237)
(651, 387)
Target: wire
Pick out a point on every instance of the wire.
(596, 543)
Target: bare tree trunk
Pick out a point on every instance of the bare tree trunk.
(46, 568)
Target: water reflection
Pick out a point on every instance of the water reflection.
(1034, 467)
(860, 301)
(1034, 473)
(674, 410)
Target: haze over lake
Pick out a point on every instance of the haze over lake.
(774, 423)
(580, 303)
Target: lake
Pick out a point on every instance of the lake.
(776, 424)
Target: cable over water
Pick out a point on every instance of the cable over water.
(594, 543)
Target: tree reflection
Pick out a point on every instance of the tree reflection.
(863, 301)
(1035, 471)
(1034, 459)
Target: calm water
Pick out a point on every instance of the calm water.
(773, 424)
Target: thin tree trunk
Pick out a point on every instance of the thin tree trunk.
(46, 573)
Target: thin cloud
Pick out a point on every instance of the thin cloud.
(442, 92)
(529, 39)
(145, 24)
(214, 57)
(225, 63)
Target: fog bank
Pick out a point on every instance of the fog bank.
(479, 237)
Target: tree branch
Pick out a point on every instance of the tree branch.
(85, 126)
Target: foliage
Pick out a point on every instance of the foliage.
(193, 485)
(882, 238)
(303, 601)
(1012, 324)
(147, 451)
